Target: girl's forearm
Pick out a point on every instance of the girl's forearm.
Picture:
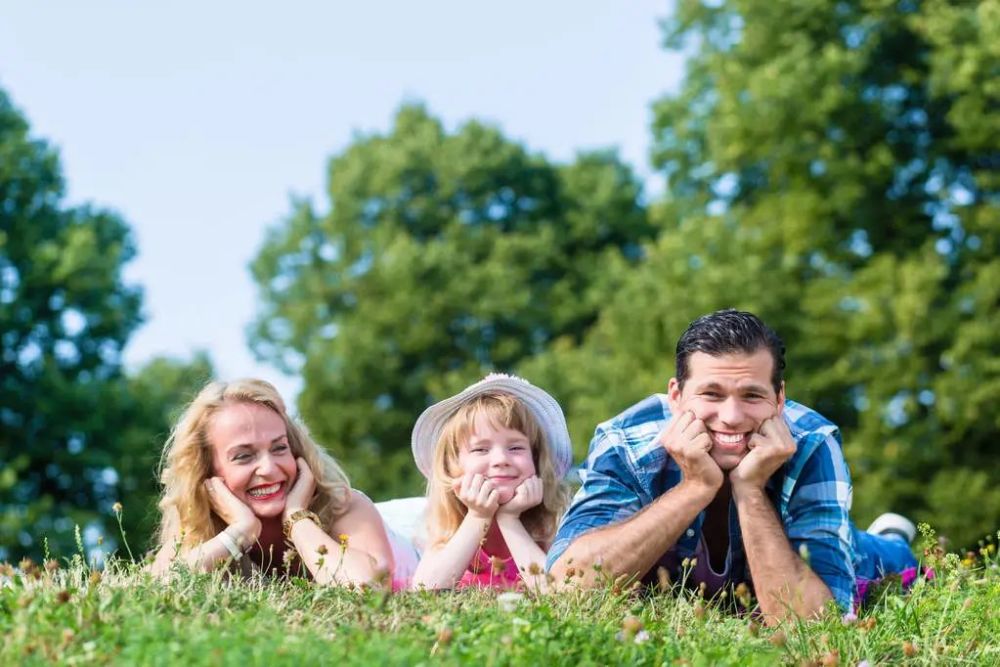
(442, 568)
(528, 556)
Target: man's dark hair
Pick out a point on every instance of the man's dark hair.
(728, 331)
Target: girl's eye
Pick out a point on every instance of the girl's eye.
(517, 448)
(478, 450)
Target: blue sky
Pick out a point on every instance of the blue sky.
(197, 121)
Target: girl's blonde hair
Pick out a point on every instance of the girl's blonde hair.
(186, 512)
(445, 511)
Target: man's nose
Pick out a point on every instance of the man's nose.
(731, 412)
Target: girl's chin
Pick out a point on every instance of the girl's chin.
(506, 495)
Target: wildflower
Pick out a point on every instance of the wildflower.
(753, 629)
(631, 625)
(830, 659)
(117, 508)
(63, 596)
(67, 635)
(570, 572)
(508, 601)
(322, 550)
(867, 624)
(95, 578)
(663, 578)
(967, 603)
(496, 565)
(51, 565)
(699, 610)
(850, 618)
(641, 637)
(342, 538)
(535, 569)
(6, 570)
(27, 566)
(445, 635)
(778, 638)
(909, 649)
(506, 640)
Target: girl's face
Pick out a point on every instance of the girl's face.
(250, 452)
(500, 454)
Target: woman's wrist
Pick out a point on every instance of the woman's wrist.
(244, 532)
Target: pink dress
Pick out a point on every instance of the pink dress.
(486, 571)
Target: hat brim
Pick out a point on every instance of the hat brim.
(544, 408)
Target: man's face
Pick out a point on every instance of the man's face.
(733, 395)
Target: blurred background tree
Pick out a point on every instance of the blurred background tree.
(443, 255)
(832, 166)
(75, 432)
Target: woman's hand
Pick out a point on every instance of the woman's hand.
(301, 494)
(232, 510)
(478, 494)
(528, 494)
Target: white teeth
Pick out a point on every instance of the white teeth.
(729, 438)
(264, 490)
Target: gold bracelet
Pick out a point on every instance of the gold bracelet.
(296, 516)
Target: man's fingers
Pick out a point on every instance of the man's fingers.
(684, 420)
(702, 441)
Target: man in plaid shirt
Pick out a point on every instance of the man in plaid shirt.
(724, 472)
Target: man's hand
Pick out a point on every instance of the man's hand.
(528, 494)
(478, 494)
(302, 491)
(688, 442)
(770, 447)
(231, 509)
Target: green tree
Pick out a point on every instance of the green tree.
(832, 166)
(76, 434)
(148, 404)
(443, 255)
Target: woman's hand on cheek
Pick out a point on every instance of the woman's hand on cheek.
(302, 491)
(478, 494)
(231, 509)
(528, 494)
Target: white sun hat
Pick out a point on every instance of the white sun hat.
(542, 406)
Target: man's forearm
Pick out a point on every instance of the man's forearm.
(782, 581)
(632, 547)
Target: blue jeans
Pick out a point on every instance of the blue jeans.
(880, 555)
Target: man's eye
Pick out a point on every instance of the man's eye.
(710, 394)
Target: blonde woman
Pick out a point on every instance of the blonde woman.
(494, 456)
(245, 485)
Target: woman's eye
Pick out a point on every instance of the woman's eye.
(241, 457)
(280, 448)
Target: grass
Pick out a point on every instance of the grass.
(67, 613)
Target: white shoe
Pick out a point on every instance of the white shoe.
(894, 524)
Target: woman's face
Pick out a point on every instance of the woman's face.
(250, 452)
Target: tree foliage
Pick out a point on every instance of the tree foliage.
(443, 255)
(74, 431)
(833, 167)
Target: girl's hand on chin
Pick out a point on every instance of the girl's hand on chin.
(231, 509)
(301, 494)
(528, 494)
(478, 494)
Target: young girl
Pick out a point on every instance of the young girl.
(243, 482)
(494, 456)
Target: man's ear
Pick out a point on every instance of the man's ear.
(780, 404)
(674, 395)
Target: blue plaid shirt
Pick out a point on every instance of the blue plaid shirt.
(627, 469)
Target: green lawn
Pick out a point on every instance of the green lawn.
(67, 614)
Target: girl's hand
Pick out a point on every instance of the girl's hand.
(302, 491)
(231, 509)
(478, 494)
(528, 494)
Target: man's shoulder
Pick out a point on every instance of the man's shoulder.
(638, 422)
(804, 422)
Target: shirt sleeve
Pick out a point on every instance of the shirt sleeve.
(818, 522)
(610, 493)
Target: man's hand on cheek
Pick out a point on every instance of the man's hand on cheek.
(770, 447)
(688, 442)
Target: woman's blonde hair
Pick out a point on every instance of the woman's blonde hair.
(445, 511)
(186, 512)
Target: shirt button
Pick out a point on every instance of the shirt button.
(690, 532)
